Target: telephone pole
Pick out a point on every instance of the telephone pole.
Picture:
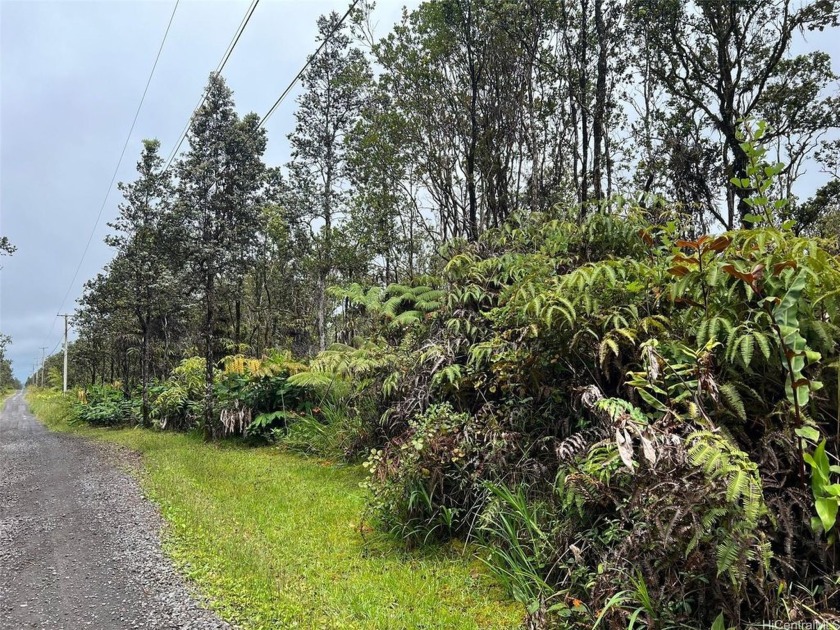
(65, 316)
(43, 350)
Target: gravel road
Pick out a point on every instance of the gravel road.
(79, 545)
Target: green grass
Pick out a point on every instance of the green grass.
(274, 540)
(5, 394)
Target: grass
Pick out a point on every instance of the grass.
(5, 394)
(275, 540)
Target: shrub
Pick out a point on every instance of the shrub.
(177, 401)
(421, 484)
(642, 418)
(106, 405)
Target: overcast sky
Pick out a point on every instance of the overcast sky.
(71, 76)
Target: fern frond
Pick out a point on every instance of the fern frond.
(733, 398)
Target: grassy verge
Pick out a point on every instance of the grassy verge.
(5, 394)
(274, 540)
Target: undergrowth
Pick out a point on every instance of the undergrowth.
(639, 425)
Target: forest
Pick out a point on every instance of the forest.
(543, 269)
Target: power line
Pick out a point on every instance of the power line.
(221, 66)
(119, 162)
(225, 57)
(306, 65)
(223, 61)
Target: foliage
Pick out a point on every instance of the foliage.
(177, 400)
(105, 405)
(256, 396)
(419, 483)
(629, 403)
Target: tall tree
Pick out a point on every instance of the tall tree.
(335, 89)
(140, 241)
(219, 181)
(729, 61)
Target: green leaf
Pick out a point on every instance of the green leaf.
(827, 511)
(719, 623)
(809, 433)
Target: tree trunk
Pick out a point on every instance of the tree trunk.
(600, 102)
(208, 355)
(144, 369)
(322, 313)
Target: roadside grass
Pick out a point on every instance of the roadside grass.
(5, 394)
(275, 540)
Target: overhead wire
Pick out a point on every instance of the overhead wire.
(309, 61)
(226, 56)
(119, 162)
(221, 66)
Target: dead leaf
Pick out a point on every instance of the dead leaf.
(647, 447)
(625, 447)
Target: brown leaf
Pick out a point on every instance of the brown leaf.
(681, 258)
(719, 244)
(625, 447)
(688, 244)
(780, 267)
(732, 271)
(648, 449)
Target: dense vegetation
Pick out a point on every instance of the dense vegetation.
(630, 403)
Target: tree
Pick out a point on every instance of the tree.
(219, 180)
(7, 378)
(335, 89)
(140, 240)
(6, 247)
(727, 61)
(386, 221)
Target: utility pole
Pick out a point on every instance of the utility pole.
(65, 316)
(43, 350)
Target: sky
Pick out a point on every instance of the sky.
(71, 76)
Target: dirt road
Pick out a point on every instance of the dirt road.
(79, 545)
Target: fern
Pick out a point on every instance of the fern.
(733, 398)
(726, 466)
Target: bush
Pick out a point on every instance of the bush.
(177, 401)
(256, 396)
(639, 415)
(106, 405)
(421, 484)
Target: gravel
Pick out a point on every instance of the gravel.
(79, 544)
